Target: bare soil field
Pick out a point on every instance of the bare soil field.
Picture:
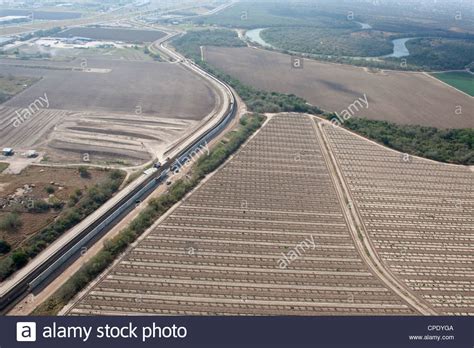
(266, 234)
(114, 34)
(228, 248)
(49, 24)
(103, 138)
(115, 139)
(29, 133)
(419, 215)
(402, 97)
(20, 191)
(63, 52)
(112, 111)
(153, 88)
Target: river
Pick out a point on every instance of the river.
(399, 48)
(364, 26)
(254, 36)
(399, 45)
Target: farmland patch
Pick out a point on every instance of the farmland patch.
(221, 250)
(402, 97)
(154, 89)
(419, 216)
(464, 81)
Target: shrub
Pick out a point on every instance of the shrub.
(11, 222)
(39, 206)
(84, 172)
(4, 247)
(6, 267)
(92, 199)
(19, 258)
(49, 189)
(115, 175)
(55, 203)
(445, 145)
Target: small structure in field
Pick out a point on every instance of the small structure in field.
(31, 154)
(8, 151)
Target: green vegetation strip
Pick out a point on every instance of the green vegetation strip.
(87, 204)
(329, 41)
(326, 33)
(445, 145)
(257, 100)
(3, 166)
(440, 53)
(156, 208)
(464, 81)
(11, 85)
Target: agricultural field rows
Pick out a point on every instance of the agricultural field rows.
(265, 235)
(31, 131)
(66, 136)
(419, 215)
(112, 111)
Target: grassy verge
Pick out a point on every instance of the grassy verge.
(3, 166)
(463, 81)
(11, 85)
(84, 206)
(156, 208)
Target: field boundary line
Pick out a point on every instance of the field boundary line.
(359, 234)
(446, 84)
(66, 309)
(253, 45)
(325, 121)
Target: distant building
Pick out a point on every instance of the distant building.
(77, 40)
(8, 151)
(14, 19)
